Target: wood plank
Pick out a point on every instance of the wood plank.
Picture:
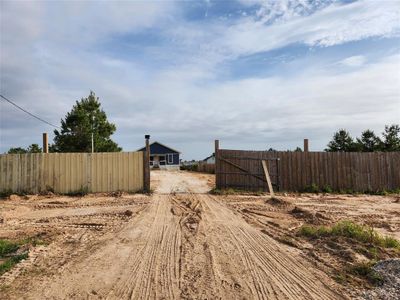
(271, 190)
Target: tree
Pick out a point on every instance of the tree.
(391, 138)
(76, 129)
(34, 148)
(369, 142)
(342, 141)
(17, 150)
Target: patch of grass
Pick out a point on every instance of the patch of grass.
(365, 270)
(10, 262)
(7, 247)
(313, 231)
(349, 229)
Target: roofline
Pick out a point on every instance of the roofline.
(161, 145)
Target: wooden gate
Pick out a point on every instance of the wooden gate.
(234, 170)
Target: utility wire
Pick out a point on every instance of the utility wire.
(36, 117)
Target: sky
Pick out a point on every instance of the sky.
(253, 74)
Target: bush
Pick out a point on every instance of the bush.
(313, 188)
(327, 189)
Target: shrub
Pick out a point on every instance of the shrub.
(313, 188)
(327, 189)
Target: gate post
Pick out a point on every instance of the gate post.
(216, 164)
(146, 165)
(45, 143)
(305, 148)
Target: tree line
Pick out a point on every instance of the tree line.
(368, 141)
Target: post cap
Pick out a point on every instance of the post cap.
(147, 136)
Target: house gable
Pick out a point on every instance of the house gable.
(158, 148)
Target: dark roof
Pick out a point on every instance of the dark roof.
(155, 142)
(212, 155)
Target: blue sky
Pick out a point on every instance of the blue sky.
(254, 74)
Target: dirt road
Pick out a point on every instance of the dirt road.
(180, 243)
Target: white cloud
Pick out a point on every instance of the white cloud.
(353, 61)
(332, 25)
(49, 59)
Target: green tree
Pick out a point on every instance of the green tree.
(17, 150)
(369, 142)
(34, 148)
(342, 141)
(76, 129)
(391, 138)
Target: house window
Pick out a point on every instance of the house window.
(170, 158)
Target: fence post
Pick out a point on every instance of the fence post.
(305, 149)
(45, 143)
(146, 165)
(217, 183)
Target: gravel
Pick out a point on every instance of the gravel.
(390, 289)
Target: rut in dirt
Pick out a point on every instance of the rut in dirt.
(250, 264)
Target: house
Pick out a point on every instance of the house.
(210, 159)
(163, 157)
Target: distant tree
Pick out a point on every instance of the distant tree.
(76, 129)
(17, 150)
(34, 148)
(298, 149)
(391, 138)
(342, 141)
(368, 142)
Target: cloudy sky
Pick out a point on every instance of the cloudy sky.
(254, 74)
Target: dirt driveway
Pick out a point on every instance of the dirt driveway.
(179, 243)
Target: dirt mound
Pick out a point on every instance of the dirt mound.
(278, 202)
(316, 218)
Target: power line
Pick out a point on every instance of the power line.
(36, 117)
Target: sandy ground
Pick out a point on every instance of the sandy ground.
(179, 243)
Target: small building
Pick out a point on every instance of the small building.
(163, 157)
(210, 159)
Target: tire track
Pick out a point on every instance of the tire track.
(152, 271)
(273, 273)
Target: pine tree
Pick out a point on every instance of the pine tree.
(85, 117)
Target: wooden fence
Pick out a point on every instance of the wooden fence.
(71, 172)
(295, 171)
(206, 168)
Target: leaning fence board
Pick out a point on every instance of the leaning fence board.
(71, 172)
(354, 171)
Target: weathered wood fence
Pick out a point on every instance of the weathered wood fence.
(294, 171)
(72, 172)
(206, 168)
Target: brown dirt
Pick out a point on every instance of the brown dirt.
(179, 243)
